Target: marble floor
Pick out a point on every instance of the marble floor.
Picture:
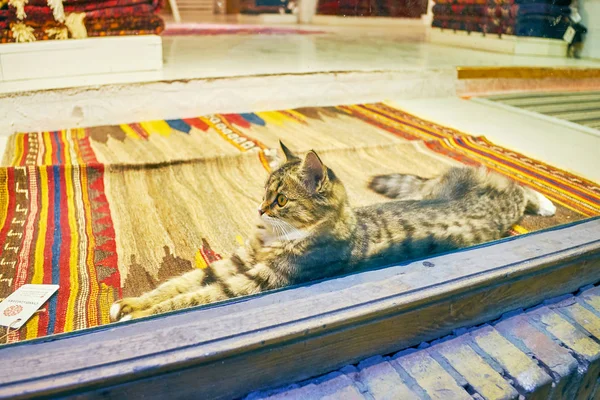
(357, 48)
(188, 57)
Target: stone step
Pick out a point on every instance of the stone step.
(549, 352)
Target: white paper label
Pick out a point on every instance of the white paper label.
(17, 308)
(569, 35)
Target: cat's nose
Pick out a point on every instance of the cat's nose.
(260, 212)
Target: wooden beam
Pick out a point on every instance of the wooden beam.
(233, 6)
(527, 73)
(230, 349)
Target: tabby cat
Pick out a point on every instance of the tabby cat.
(309, 231)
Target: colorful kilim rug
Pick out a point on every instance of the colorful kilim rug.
(112, 211)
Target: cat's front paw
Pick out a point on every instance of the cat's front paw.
(262, 234)
(126, 309)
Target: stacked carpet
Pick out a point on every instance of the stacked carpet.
(373, 8)
(543, 18)
(460, 15)
(112, 211)
(533, 18)
(28, 21)
(266, 6)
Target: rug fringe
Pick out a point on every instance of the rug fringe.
(19, 6)
(22, 33)
(76, 26)
(57, 10)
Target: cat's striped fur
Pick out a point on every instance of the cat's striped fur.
(313, 232)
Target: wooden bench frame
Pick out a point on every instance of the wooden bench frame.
(227, 350)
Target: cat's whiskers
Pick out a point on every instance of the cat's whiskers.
(284, 230)
(291, 232)
(278, 229)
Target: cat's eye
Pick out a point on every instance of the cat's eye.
(281, 200)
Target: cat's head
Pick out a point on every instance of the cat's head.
(301, 192)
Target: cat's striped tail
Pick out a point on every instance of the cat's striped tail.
(455, 184)
(401, 186)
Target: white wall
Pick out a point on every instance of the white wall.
(590, 14)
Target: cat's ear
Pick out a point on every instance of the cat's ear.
(314, 172)
(289, 156)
